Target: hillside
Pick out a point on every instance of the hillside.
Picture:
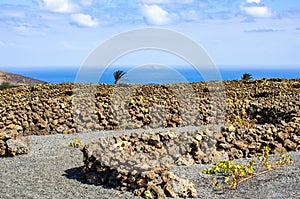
(16, 80)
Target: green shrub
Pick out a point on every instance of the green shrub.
(235, 173)
(5, 85)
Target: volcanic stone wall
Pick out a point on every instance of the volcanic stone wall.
(51, 109)
(141, 162)
(252, 113)
(259, 113)
(249, 116)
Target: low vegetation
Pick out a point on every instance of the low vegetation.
(233, 174)
(76, 143)
(5, 85)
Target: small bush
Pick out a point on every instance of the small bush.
(5, 85)
(234, 173)
(76, 144)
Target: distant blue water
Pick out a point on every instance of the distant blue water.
(148, 74)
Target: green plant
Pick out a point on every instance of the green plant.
(118, 75)
(235, 173)
(77, 143)
(246, 76)
(5, 85)
(239, 120)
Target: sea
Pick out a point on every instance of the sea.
(149, 74)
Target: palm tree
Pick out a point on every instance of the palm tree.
(246, 76)
(118, 75)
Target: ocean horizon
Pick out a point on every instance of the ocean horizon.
(152, 74)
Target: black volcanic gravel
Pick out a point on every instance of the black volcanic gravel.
(53, 170)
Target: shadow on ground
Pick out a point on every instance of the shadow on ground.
(75, 174)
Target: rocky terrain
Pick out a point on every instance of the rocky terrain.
(270, 105)
(141, 162)
(250, 110)
(10, 145)
(51, 109)
(236, 120)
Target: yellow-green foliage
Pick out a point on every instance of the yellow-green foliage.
(235, 173)
(77, 143)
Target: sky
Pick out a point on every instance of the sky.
(234, 33)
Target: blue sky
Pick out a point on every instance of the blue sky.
(250, 33)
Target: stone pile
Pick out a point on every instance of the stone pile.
(11, 146)
(141, 162)
(37, 110)
(72, 108)
(241, 142)
(250, 114)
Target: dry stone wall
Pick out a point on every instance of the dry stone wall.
(252, 110)
(11, 145)
(141, 162)
(253, 114)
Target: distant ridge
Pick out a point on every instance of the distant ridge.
(17, 80)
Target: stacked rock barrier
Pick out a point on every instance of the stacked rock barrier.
(11, 146)
(141, 162)
(253, 114)
(254, 109)
(52, 109)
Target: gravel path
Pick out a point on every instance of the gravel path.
(52, 170)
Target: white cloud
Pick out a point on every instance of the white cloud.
(253, 1)
(266, 30)
(84, 20)
(258, 11)
(167, 1)
(87, 2)
(254, 8)
(189, 15)
(63, 6)
(92, 2)
(155, 15)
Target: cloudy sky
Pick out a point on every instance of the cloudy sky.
(254, 33)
